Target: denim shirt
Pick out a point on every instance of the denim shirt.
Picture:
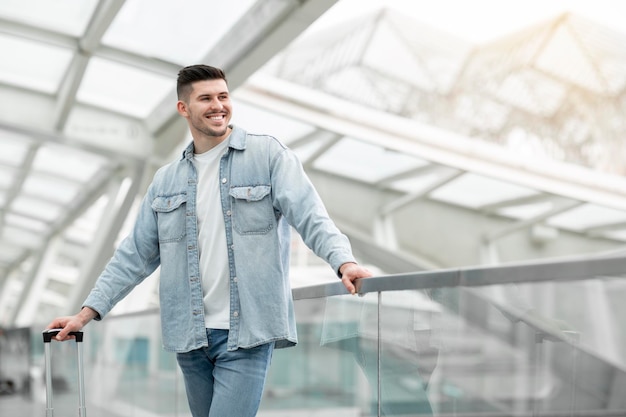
(263, 190)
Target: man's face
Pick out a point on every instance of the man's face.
(208, 108)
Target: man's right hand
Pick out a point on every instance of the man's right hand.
(74, 323)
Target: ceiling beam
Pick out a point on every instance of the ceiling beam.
(431, 143)
(266, 29)
(87, 45)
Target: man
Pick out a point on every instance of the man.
(217, 221)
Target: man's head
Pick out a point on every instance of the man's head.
(204, 100)
(188, 75)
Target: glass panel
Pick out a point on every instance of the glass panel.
(409, 351)
(544, 348)
(70, 163)
(185, 39)
(409, 66)
(21, 64)
(7, 176)
(21, 237)
(123, 89)
(13, 148)
(619, 234)
(140, 377)
(530, 91)
(588, 215)
(423, 181)
(258, 121)
(36, 208)
(473, 190)
(548, 348)
(563, 53)
(25, 223)
(67, 16)
(356, 159)
(526, 211)
(471, 23)
(8, 252)
(323, 374)
(61, 191)
(308, 150)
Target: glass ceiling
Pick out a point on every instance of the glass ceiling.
(404, 111)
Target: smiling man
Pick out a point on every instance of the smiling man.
(218, 221)
(207, 107)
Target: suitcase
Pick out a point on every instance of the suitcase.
(47, 338)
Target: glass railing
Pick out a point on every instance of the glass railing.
(533, 339)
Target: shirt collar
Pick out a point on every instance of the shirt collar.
(236, 140)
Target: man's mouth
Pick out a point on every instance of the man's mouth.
(217, 117)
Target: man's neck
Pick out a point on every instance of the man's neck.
(203, 143)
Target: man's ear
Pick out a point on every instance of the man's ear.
(181, 107)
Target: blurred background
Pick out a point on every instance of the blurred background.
(441, 135)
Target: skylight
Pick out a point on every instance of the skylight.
(123, 89)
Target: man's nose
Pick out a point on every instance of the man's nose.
(216, 104)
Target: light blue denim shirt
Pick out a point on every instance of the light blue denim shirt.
(263, 190)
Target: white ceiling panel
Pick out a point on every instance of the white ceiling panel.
(32, 65)
(474, 191)
(424, 181)
(70, 17)
(53, 189)
(122, 88)
(9, 252)
(254, 119)
(36, 208)
(587, 216)
(192, 29)
(22, 238)
(7, 177)
(356, 159)
(526, 211)
(70, 163)
(13, 148)
(26, 223)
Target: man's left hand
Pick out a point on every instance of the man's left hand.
(350, 272)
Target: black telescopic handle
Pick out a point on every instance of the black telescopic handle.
(50, 333)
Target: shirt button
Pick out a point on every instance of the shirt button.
(236, 314)
(224, 180)
(235, 279)
(228, 212)
(232, 246)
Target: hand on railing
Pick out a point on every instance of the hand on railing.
(350, 272)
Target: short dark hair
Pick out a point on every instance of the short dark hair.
(193, 73)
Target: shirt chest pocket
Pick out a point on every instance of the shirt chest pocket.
(170, 212)
(252, 209)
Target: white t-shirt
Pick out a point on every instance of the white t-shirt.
(212, 239)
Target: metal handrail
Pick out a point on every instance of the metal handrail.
(571, 269)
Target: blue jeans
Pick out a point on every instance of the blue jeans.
(220, 383)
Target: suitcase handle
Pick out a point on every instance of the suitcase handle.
(47, 338)
(50, 333)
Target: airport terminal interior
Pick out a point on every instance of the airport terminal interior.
(472, 151)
